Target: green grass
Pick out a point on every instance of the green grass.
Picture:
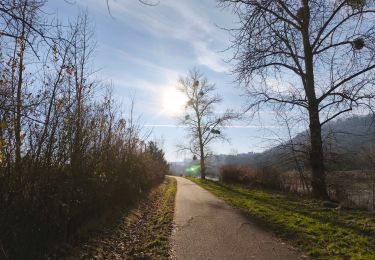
(159, 227)
(321, 232)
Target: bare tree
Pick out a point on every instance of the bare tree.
(297, 149)
(15, 13)
(65, 150)
(323, 53)
(145, 2)
(203, 123)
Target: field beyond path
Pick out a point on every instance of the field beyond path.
(207, 228)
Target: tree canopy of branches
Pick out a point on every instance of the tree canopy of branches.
(66, 155)
(203, 124)
(144, 2)
(315, 55)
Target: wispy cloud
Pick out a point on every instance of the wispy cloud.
(226, 126)
(142, 50)
(178, 20)
(208, 58)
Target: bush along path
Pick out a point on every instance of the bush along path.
(320, 231)
(142, 233)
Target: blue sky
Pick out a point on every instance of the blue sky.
(142, 50)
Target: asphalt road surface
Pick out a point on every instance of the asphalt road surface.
(207, 228)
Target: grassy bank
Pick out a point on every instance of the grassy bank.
(322, 232)
(142, 233)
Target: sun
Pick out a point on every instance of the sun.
(173, 102)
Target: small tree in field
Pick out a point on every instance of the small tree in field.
(203, 124)
(322, 51)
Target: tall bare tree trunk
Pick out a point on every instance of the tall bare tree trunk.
(201, 148)
(316, 154)
(17, 123)
(202, 163)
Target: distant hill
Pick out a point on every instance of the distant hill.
(345, 141)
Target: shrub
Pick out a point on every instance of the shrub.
(269, 177)
(57, 203)
(237, 174)
(262, 177)
(66, 153)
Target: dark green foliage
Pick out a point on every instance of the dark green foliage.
(358, 44)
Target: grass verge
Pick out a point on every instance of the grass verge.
(142, 233)
(323, 233)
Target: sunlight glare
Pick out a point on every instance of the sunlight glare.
(173, 102)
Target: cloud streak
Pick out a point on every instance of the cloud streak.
(226, 126)
(178, 20)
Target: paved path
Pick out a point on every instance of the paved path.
(207, 228)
